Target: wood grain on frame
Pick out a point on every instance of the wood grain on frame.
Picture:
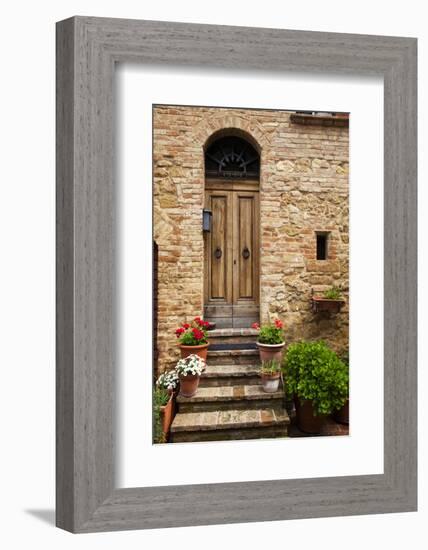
(87, 49)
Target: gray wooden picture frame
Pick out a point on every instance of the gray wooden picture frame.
(87, 50)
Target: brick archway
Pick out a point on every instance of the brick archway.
(231, 124)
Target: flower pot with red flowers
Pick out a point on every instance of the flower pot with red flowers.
(270, 373)
(192, 338)
(318, 380)
(270, 341)
(189, 370)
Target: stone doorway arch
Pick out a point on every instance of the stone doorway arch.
(232, 244)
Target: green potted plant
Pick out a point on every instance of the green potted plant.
(270, 340)
(318, 381)
(167, 382)
(331, 300)
(270, 373)
(342, 415)
(189, 370)
(161, 398)
(192, 338)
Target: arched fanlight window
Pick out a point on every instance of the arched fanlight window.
(232, 157)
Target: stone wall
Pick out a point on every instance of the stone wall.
(304, 188)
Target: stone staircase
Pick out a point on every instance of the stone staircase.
(230, 402)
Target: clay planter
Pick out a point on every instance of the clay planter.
(167, 415)
(270, 352)
(189, 385)
(319, 303)
(201, 350)
(306, 420)
(342, 415)
(270, 382)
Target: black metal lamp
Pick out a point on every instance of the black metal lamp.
(206, 220)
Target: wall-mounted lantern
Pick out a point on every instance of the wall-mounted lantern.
(206, 220)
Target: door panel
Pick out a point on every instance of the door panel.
(218, 247)
(232, 256)
(245, 248)
(246, 253)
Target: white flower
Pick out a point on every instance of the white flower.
(168, 380)
(190, 366)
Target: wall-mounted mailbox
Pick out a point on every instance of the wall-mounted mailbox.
(206, 220)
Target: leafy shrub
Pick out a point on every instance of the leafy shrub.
(315, 372)
(344, 356)
(333, 293)
(271, 333)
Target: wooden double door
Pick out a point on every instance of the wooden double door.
(232, 254)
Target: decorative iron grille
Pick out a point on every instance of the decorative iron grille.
(232, 157)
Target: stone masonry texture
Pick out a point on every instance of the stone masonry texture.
(304, 188)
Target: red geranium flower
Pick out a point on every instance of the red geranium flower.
(186, 326)
(179, 332)
(206, 324)
(255, 325)
(278, 323)
(198, 334)
(197, 319)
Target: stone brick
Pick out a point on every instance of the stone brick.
(325, 266)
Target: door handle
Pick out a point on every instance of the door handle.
(218, 253)
(246, 253)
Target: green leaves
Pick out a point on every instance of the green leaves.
(333, 293)
(315, 372)
(270, 367)
(160, 399)
(271, 334)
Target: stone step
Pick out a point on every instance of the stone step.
(220, 398)
(233, 357)
(237, 322)
(233, 345)
(229, 425)
(229, 375)
(233, 335)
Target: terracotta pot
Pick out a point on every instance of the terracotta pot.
(270, 382)
(342, 415)
(325, 304)
(201, 350)
(269, 352)
(306, 420)
(167, 415)
(189, 385)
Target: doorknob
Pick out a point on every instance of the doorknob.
(246, 253)
(218, 253)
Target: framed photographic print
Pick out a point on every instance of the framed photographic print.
(236, 274)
